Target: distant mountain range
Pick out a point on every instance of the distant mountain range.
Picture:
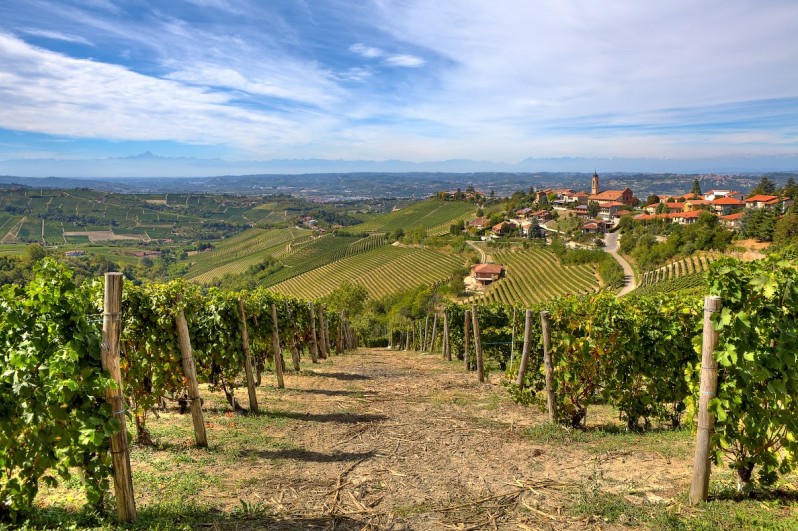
(150, 165)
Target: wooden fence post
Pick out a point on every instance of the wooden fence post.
(190, 373)
(512, 341)
(292, 338)
(447, 347)
(325, 349)
(467, 347)
(551, 400)
(478, 344)
(109, 349)
(525, 352)
(424, 346)
(253, 398)
(314, 342)
(278, 353)
(699, 489)
(434, 333)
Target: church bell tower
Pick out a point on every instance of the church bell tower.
(595, 183)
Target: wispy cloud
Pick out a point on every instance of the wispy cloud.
(56, 35)
(371, 52)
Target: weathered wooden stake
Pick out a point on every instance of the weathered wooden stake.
(293, 339)
(447, 347)
(253, 398)
(278, 353)
(434, 333)
(325, 347)
(466, 339)
(512, 341)
(190, 373)
(551, 400)
(477, 344)
(424, 346)
(314, 342)
(699, 489)
(109, 349)
(524, 365)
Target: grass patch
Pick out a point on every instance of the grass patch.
(671, 444)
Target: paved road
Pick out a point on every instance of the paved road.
(611, 246)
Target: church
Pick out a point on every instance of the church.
(624, 196)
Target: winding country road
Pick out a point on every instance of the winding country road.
(611, 246)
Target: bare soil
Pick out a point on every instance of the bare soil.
(401, 440)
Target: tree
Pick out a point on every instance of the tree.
(758, 223)
(765, 187)
(480, 212)
(786, 231)
(593, 208)
(398, 233)
(696, 191)
(662, 208)
(653, 199)
(347, 296)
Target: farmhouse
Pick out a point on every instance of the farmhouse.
(480, 224)
(484, 274)
(767, 201)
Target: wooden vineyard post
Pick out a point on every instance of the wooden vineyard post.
(322, 341)
(278, 354)
(709, 387)
(551, 400)
(466, 331)
(314, 342)
(120, 453)
(190, 373)
(512, 341)
(447, 347)
(424, 346)
(525, 352)
(292, 337)
(478, 344)
(434, 333)
(253, 398)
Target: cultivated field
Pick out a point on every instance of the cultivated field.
(678, 275)
(432, 214)
(386, 269)
(535, 275)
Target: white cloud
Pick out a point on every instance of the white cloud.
(222, 5)
(410, 61)
(369, 52)
(56, 35)
(49, 93)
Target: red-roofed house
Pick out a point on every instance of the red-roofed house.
(732, 221)
(726, 205)
(505, 227)
(484, 274)
(480, 224)
(767, 201)
(685, 218)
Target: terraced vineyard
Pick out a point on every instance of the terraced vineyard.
(236, 254)
(386, 269)
(675, 276)
(432, 213)
(534, 275)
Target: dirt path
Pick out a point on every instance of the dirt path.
(401, 440)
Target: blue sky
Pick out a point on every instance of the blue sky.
(415, 80)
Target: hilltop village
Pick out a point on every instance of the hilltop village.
(599, 211)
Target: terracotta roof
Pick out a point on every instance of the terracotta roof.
(613, 204)
(488, 269)
(480, 222)
(609, 195)
(732, 217)
(728, 201)
(762, 198)
(693, 214)
(697, 201)
(590, 226)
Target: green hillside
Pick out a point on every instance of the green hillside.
(386, 269)
(535, 275)
(430, 214)
(680, 275)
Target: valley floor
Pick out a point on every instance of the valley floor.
(400, 440)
